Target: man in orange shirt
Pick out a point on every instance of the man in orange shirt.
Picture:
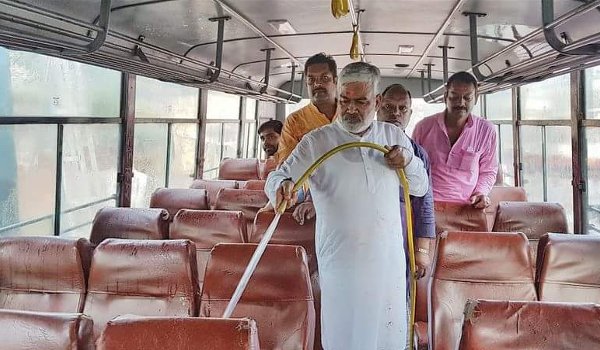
(320, 73)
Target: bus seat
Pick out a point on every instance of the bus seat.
(265, 167)
(173, 199)
(141, 277)
(568, 268)
(258, 185)
(290, 232)
(45, 274)
(130, 223)
(212, 188)
(249, 202)
(278, 295)
(493, 265)
(504, 325)
(458, 217)
(240, 169)
(25, 330)
(206, 228)
(502, 194)
(534, 219)
(158, 333)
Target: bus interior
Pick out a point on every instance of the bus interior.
(132, 174)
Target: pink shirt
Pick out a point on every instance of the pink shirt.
(469, 166)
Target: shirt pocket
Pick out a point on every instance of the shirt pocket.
(463, 160)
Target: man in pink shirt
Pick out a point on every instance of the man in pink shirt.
(461, 146)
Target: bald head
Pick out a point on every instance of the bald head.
(395, 106)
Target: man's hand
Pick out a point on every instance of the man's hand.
(422, 256)
(479, 200)
(304, 211)
(285, 195)
(396, 157)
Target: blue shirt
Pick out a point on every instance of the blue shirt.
(423, 215)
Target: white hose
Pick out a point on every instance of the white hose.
(260, 249)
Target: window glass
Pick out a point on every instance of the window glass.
(157, 99)
(230, 140)
(292, 107)
(560, 168)
(592, 136)
(27, 179)
(89, 177)
(149, 162)
(592, 93)
(506, 154)
(252, 136)
(546, 100)
(48, 86)
(184, 138)
(212, 149)
(499, 105)
(421, 110)
(250, 109)
(222, 106)
(533, 167)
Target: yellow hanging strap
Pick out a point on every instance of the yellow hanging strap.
(409, 223)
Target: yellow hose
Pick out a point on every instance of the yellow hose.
(409, 223)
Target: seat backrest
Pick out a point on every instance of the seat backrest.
(26, 330)
(241, 169)
(502, 194)
(569, 268)
(458, 217)
(43, 273)
(258, 185)
(265, 167)
(130, 223)
(173, 199)
(249, 202)
(475, 265)
(213, 187)
(530, 325)
(158, 333)
(142, 277)
(534, 219)
(206, 228)
(278, 295)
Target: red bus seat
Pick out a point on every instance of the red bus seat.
(26, 330)
(249, 202)
(258, 185)
(213, 187)
(265, 167)
(278, 295)
(458, 217)
(534, 219)
(240, 169)
(502, 194)
(46, 274)
(569, 268)
(130, 223)
(507, 325)
(207, 228)
(492, 266)
(173, 199)
(159, 333)
(142, 277)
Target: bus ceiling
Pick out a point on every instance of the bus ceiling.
(256, 48)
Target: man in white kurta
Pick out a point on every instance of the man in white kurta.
(359, 238)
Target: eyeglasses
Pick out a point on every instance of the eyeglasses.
(324, 79)
(392, 108)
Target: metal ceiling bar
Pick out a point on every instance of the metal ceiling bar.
(292, 81)
(429, 65)
(554, 41)
(473, 41)
(255, 29)
(219, 52)
(445, 60)
(267, 69)
(437, 35)
(422, 82)
(562, 19)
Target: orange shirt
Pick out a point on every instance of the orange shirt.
(296, 125)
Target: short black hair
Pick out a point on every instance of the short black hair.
(462, 77)
(321, 58)
(273, 124)
(399, 87)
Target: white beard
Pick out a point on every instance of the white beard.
(354, 127)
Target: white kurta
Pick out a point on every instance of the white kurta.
(359, 241)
